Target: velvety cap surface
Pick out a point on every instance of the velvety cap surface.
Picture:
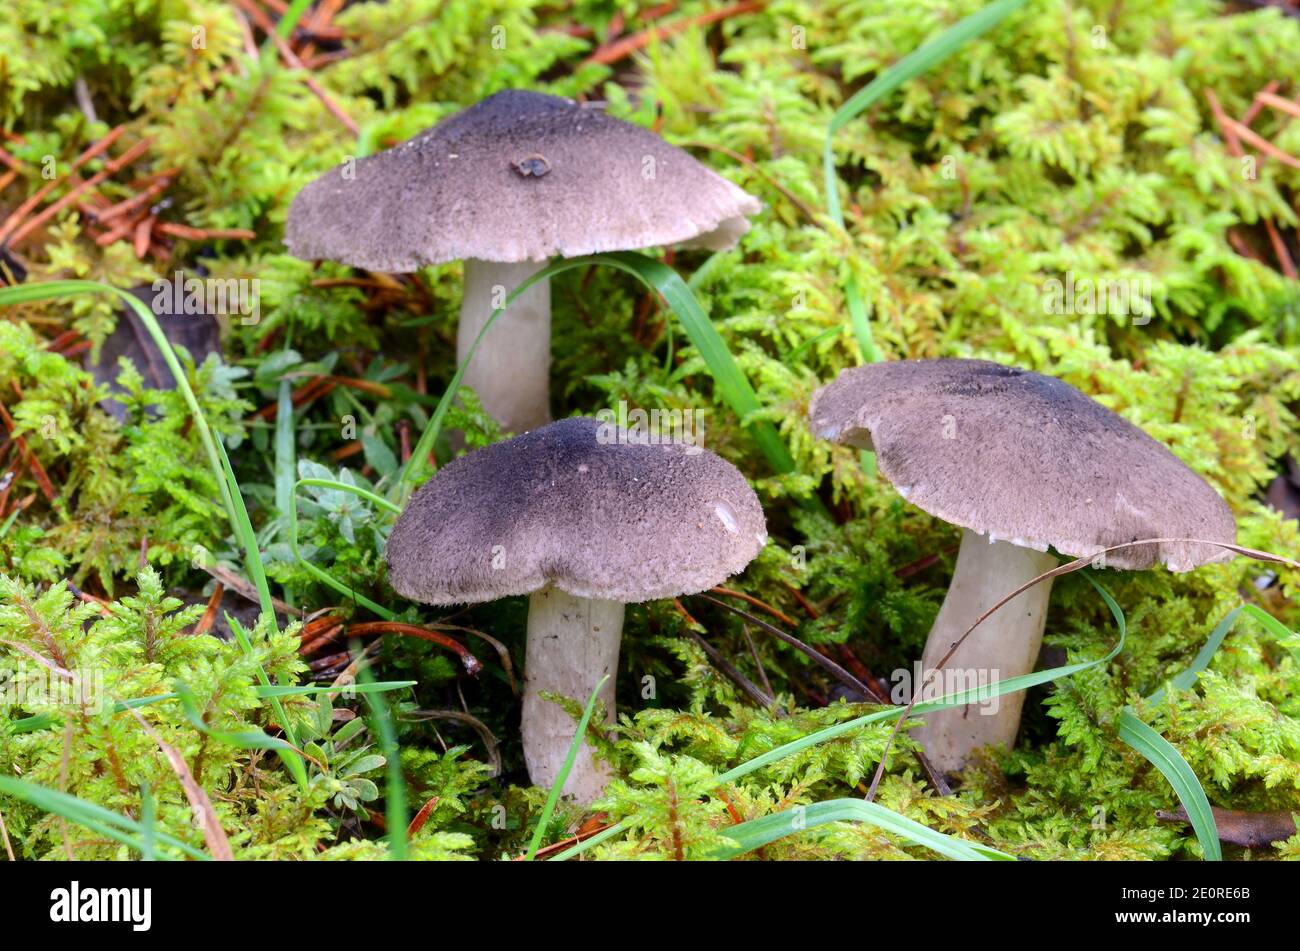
(1025, 458)
(521, 176)
(569, 504)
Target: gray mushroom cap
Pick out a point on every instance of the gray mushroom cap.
(521, 176)
(1025, 458)
(570, 505)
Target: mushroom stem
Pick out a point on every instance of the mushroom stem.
(1005, 645)
(511, 370)
(572, 643)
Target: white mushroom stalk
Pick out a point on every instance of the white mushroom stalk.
(572, 643)
(1005, 645)
(511, 368)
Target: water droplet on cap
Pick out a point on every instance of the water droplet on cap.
(727, 515)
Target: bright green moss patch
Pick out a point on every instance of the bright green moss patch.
(1073, 146)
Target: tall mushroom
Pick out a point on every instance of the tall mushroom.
(583, 518)
(505, 185)
(1032, 463)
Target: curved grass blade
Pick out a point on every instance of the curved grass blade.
(289, 756)
(285, 452)
(553, 799)
(103, 821)
(1202, 660)
(732, 384)
(766, 829)
(27, 293)
(1162, 755)
(960, 698)
(219, 462)
(1270, 623)
(247, 739)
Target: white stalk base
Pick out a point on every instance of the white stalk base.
(511, 370)
(1005, 645)
(572, 643)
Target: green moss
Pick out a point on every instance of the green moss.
(1065, 145)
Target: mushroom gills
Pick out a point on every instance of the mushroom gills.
(572, 643)
(1005, 645)
(511, 369)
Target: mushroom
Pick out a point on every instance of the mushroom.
(582, 517)
(1032, 463)
(505, 185)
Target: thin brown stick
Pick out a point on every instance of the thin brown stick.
(762, 606)
(1259, 142)
(204, 234)
(1266, 98)
(763, 700)
(210, 612)
(611, 53)
(110, 168)
(136, 200)
(26, 207)
(33, 464)
(816, 656)
(471, 663)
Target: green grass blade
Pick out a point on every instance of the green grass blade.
(766, 829)
(247, 739)
(321, 574)
(243, 526)
(289, 21)
(960, 698)
(732, 384)
(1270, 623)
(290, 757)
(1202, 660)
(42, 721)
(356, 490)
(285, 462)
(27, 293)
(103, 821)
(1162, 755)
(395, 813)
(909, 67)
(554, 798)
